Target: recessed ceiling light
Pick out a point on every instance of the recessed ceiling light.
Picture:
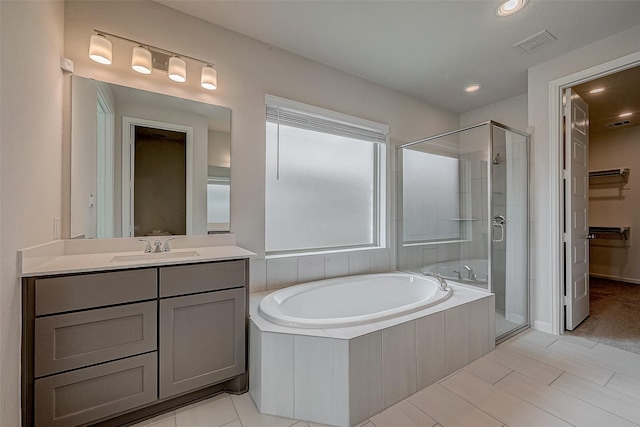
(625, 114)
(597, 90)
(510, 7)
(472, 88)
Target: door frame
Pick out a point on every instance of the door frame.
(128, 126)
(556, 157)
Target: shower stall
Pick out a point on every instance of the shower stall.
(462, 212)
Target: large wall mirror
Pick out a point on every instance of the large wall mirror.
(146, 164)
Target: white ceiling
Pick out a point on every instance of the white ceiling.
(621, 95)
(428, 49)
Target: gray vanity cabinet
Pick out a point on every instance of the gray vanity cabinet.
(110, 348)
(202, 325)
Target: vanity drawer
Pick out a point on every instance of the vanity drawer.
(73, 340)
(194, 278)
(81, 396)
(58, 294)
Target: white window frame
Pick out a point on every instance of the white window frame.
(380, 173)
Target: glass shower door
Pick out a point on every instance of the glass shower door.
(509, 229)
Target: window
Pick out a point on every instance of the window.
(218, 204)
(431, 198)
(324, 179)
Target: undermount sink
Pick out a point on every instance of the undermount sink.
(155, 255)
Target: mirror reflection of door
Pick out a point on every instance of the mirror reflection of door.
(159, 182)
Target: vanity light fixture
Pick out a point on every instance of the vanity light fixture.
(100, 49)
(141, 60)
(209, 77)
(474, 87)
(145, 58)
(509, 7)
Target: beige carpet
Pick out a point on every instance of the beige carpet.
(614, 317)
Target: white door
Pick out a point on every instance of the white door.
(576, 176)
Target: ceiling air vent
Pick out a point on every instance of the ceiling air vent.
(535, 42)
(618, 124)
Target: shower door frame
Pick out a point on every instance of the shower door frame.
(490, 124)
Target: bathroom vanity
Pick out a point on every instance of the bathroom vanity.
(130, 336)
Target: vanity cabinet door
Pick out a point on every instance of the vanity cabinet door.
(74, 340)
(202, 340)
(85, 395)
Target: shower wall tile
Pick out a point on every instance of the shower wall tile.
(258, 276)
(446, 252)
(399, 362)
(282, 272)
(430, 349)
(456, 332)
(365, 376)
(310, 268)
(359, 262)
(336, 265)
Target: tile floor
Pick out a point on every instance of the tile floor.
(533, 379)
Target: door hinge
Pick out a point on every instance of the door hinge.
(565, 300)
(565, 174)
(565, 237)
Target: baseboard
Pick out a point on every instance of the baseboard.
(515, 318)
(616, 278)
(543, 326)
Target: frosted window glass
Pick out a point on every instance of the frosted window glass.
(320, 190)
(431, 194)
(218, 203)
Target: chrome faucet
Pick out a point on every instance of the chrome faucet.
(471, 273)
(148, 248)
(166, 247)
(157, 246)
(442, 284)
(459, 275)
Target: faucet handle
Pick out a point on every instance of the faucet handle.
(167, 248)
(147, 249)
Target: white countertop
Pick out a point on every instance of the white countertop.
(77, 256)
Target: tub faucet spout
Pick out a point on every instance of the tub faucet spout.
(471, 273)
(442, 284)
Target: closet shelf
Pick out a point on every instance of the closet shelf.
(610, 232)
(610, 173)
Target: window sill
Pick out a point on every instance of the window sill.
(322, 252)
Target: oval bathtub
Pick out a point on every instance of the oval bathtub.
(351, 300)
(450, 269)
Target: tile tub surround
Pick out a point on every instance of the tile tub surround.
(343, 376)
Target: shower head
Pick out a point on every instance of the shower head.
(496, 160)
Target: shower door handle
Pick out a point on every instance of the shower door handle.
(498, 222)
